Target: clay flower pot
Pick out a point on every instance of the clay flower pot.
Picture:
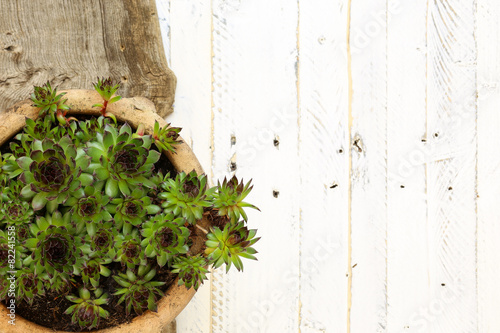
(135, 111)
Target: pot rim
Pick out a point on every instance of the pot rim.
(135, 110)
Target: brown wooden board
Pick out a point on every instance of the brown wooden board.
(71, 42)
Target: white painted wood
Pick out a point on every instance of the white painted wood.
(324, 165)
(187, 28)
(451, 181)
(369, 166)
(255, 100)
(488, 171)
(407, 152)
(264, 70)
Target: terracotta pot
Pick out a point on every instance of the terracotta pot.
(134, 110)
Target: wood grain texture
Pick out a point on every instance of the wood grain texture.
(407, 152)
(70, 43)
(190, 54)
(255, 101)
(324, 165)
(451, 182)
(488, 165)
(369, 166)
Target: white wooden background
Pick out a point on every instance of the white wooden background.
(371, 131)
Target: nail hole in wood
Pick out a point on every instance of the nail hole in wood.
(436, 135)
(402, 186)
(233, 166)
(340, 151)
(9, 48)
(233, 140)
(276, 193)
(358, 143)
(276, 142)
(450, 188)
(442, 284)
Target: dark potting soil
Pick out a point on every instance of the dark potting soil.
(49, 310)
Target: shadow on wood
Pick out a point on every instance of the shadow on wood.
(70, 43)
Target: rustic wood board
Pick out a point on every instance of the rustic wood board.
(71, 43)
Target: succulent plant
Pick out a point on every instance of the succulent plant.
(165, 237)
(186, 196)
(55, 250)
(4, 287)
(191, 270)
(29, 285)
(88, 129)
(88, 207)
(91, 271)
(165, 137)
(130, 253)
(139, 292)
(14, 210)
(122, 160)
(46, 99)
(228, 198)
(53, 171)
(60, 283)
(229, 244)
(131, 210)
(106, 89)
(87, 311)
(102, 243)
(49, 102)
(8, 168)
(22, 233)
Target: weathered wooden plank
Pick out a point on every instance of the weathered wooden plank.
(255, 102)
(368, 153)
(488, 171)
(190, 32)
(70, 43)
(451, 183)
(324, 165)
(407, 152)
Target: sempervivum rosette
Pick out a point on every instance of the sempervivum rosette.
(55, 250)
(165, 237)
(88, 206)
(29, 285)
(52, 172)
(122, 160)
(131, 210)
(14, 210)
(186, 196)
